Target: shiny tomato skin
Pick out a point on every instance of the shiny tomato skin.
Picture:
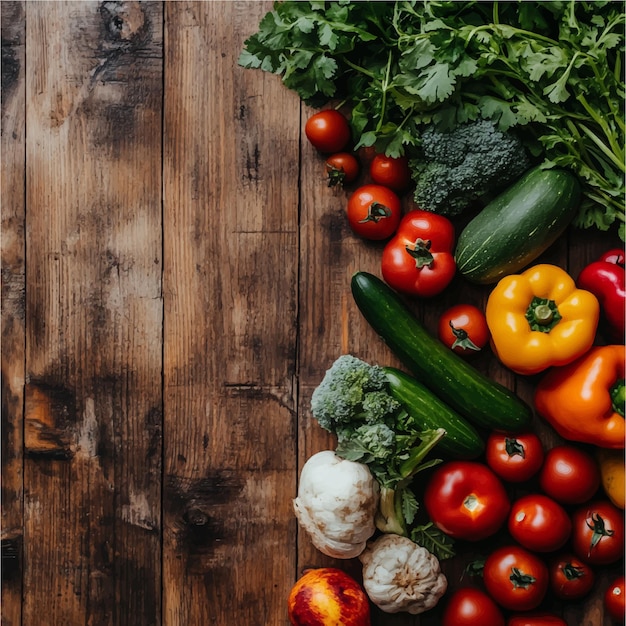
(516, 578)
(391, 172)
(328, 131)
(463, 328)
(374, 212)
(514, 457)
(466, 500)
(598, 533)
(570, 577)
(342, 168)
(536, 619)
(470, 606)
(614, 598)
(539, 523)
(569, 474)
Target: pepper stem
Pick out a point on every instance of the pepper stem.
(542, 314)
(618, 396)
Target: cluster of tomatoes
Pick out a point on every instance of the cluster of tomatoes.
(548, 539)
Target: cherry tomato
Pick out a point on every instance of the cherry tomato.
(515, 578)
(514, 457)
(598, 532)
(539, 523)
(374, 212)
(390, 172)
(471, 607)
(570, 578)
(614, 600)
(341, 168)
(463, 328)
(328, 131)
(536, 619)
(569, 475)
(466, 500)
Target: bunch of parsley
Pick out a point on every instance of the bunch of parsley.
(554, 68)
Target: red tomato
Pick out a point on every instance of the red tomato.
(536, 619)
(419, 259)
(471, 607)
(328, 131)
(463, 328)
(374, 212)
(515, 578)
(598, 533)
(614, 600)
(569, 475)
(391, 172)
(466, 500)
(539, 523)
(570, 578)
(341, 168)
(514, 458)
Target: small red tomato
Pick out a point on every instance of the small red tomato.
(598, 533)
(515, 578)
(341, 168)
(569, 475)
(463, 328)
(391, 172)
(539, 523)
(374, 212)
(328, 131)
(469, 606)
(536, 619)
(466, 500)
(614, 600)
(514, 457)
(570, 578)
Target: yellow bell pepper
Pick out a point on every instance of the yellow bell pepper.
(612, 470)
(539, 318)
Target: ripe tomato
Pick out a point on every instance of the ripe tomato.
(536, 619)
(539, 523)
(471, 607)
(569, 475)
(463, 328)
(341, 168)
(328, 131)
(514, 458)
(466, 500)
(570, 578)
(374, 212)
(515, 578)
(390, 172)
(614, 600)
(598, 533)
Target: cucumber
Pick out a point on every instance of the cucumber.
(482, 401)
(462, 440)
(518, 225)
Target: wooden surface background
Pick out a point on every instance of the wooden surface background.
(175, 282)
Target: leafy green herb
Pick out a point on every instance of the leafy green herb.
(554, 68)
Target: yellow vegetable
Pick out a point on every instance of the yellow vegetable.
(612, 470)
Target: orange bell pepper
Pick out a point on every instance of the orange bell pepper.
(584, 401)
(539, 318)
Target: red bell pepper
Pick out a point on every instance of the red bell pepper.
(419, 259)
(604, 278)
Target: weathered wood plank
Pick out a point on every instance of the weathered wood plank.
(230, 288)
(93, 313)
(12, 146)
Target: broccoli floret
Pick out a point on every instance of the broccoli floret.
(454, 169)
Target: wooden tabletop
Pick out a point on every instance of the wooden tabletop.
(175, 282)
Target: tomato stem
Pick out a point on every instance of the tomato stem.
(421, 253)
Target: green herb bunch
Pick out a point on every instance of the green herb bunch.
(554, 68)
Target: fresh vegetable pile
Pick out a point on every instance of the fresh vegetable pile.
(436, 457)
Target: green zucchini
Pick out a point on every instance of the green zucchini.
(482, 401)
(518, 225)
(461, 441)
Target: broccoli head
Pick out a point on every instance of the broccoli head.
(454, 169)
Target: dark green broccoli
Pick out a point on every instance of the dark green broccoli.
(454, 169)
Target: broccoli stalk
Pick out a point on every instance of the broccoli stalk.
(454, 169)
